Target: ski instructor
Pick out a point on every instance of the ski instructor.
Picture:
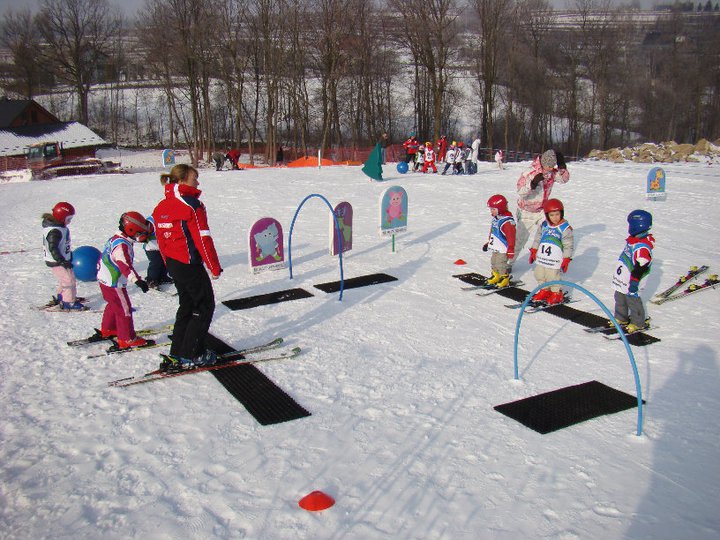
(185, 243)
(534, 188)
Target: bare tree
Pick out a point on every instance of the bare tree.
(18, 33)
(429, 30)
(494, 18)
(233, 61)
(177, 36)
(78, 35)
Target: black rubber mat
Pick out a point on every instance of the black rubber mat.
(565, 407)
(353, 283)
(472, 278)
(263, 399)
(583, 318)
(265, 299)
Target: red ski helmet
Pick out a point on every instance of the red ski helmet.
(498, 201)
(554, 205)
(62, 211)
(135, 226)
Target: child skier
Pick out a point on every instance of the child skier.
(58, 255)
(116, 269)
(552, 250)
(450, 158)
(429, 157)
(459, 156)
(419, 159)
(499, 156)
(501, 241)
(157, 273)
(632, 272)
(467, 156)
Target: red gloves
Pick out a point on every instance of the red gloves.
(510, 255)
(533, 255)
(564, 264)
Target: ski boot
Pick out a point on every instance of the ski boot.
(135, 343)
(541, 296)
(555, 298)
(504, 281)
(494, 279)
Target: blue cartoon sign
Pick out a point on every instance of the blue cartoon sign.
(265, 245)
(393, 210)
(168, 157)
(344, 214)
(656, 185)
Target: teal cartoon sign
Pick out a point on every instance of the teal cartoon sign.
(656, 184)
(393, 210)
(168, 157)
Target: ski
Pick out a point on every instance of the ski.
(485, 286)
(97, 336)
(491, 289)
(533, 306)
(692, 273)
(57, 308)
(710, 283)
(599, 329)
(235, 358)
(114, 349)
(274, 344)
(545, 306)
(613, 334)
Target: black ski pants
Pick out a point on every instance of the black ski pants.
(195, 313)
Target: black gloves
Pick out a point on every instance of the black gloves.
(485, 247)
(142, 284)
(535, 181)
(560, 160)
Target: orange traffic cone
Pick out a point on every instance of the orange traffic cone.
(316, 501)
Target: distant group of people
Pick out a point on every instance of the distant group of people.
(232, 155)
(458, 157)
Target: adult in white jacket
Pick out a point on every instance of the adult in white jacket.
(475, 153)
(534, 188)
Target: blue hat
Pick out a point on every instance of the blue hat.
(639, 221)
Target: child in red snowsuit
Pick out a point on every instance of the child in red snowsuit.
(116, 269)
(429, 157)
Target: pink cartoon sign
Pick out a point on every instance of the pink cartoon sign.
(265, 245)
(393, 210)
(344, 213)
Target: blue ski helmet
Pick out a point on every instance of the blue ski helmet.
(639, 221)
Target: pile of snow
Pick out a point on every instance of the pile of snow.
(666, 152)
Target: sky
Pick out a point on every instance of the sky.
(131, 6)
(128, 6)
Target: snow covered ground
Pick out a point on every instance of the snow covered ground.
(400, 378)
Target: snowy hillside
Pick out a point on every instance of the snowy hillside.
(400, 378)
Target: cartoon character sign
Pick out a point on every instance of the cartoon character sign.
(393, 210)
(344, 213)
(656, 184)
(265, 245)
(168, 158)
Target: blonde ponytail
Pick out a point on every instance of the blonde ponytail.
(177, 173)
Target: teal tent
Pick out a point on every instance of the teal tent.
(373, 165)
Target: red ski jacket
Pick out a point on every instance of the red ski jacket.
(182, 229)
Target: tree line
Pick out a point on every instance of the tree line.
(334, 73)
